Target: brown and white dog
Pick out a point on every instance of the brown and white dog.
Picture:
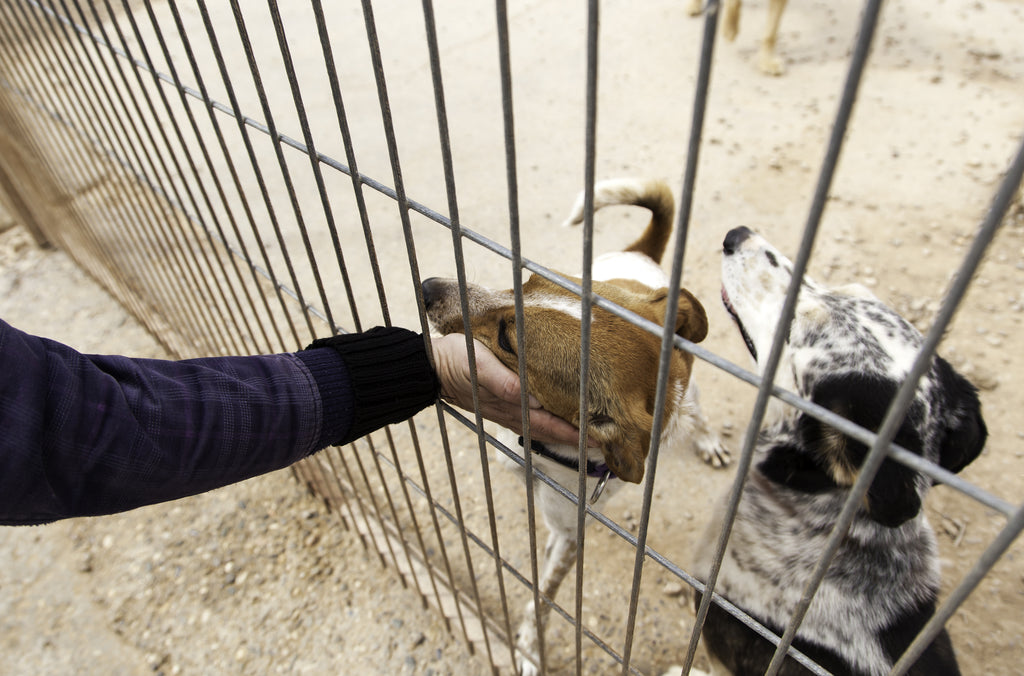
(623, 374)
(767, 60)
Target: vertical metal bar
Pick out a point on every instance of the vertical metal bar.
(360, 499)
(33, 81)
(243, 34)
(311, 152)
(373, 501)
(346, 137)
(1011, 184)
(418, 534)
(700, 104)
(508, 116)
(375, 268)
(209, 277)
(81, 172)
(234, 305)
(215, 177)
(257, 173)
(586, 315)
(225, 339)
(110, 117)
(325, 38)
(904, 397)
(392, 509)
(318, 176)
(403, 204)
(456, 230)
(233, 171)
(671, 312)
(125, 200)
(859, 58)
(170, 236)
(231, 306)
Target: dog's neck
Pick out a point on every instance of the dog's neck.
(594, 469)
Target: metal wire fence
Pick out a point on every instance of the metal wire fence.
(156, 142)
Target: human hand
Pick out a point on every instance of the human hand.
(499, 391)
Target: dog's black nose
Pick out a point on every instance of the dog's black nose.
(431, 290)
(734, 238)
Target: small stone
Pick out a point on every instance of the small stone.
(673, 589)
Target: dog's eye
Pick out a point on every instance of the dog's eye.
(772, 259)
(599, 419)
(503, 341)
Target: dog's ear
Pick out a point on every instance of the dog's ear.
(793, 467)
(864, 399)
(691, 319)
(624, 446)
(966, 432)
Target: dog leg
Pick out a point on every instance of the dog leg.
(696, 8)
(731, 21)
(559, 558)
(694, 425)
(768, 60)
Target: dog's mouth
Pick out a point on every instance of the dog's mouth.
(736, 318)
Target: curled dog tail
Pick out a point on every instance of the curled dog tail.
(651, 194)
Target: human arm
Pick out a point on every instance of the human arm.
(89, 434)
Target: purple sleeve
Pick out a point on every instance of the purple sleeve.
(87, 435)
(83, 435)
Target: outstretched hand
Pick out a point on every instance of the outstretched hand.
(499, 390)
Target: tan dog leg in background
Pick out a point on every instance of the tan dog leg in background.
(768, 61)
(731, 20)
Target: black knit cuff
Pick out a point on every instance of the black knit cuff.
(390, 375)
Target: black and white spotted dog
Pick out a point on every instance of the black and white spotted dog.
(849, 353)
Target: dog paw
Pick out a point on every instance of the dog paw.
(770, 64)
(731, 21)
(526, 666)
(527, 652)
(713, 452)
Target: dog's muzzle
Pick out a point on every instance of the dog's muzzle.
(433, 290)
(734, 239)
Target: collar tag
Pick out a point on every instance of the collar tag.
(599, 488)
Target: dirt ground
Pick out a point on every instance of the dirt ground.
(258, 578)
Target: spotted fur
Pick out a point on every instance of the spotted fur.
(849, 353)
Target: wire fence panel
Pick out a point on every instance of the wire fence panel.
(245, 177)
